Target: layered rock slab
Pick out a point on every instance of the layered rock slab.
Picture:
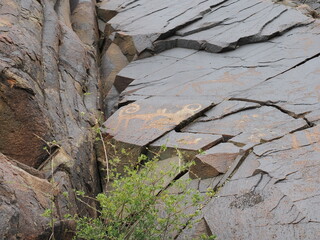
(216, 160)
(185, 145)
(250, 126)
(144, 121)
(273, 47)
(220, 76)
(275, 199)
(296, 91)
(128, 24)
(233, 23)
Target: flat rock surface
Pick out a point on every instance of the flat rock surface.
(253, 66)
(250, 126)
(279, 199)
(146, 120)
(187, 141)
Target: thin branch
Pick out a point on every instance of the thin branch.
(105, 155)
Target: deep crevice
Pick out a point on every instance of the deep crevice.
(189, 120)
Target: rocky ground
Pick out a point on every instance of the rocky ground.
(236, 79)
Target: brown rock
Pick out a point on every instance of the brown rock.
(48, 89)
(23, 123)
(84, 23)
(189, 144)
(23, 198)
(200, 228)
(112, 62)
(214, 161)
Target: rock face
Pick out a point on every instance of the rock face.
(23, 199)
(48, 102)
(231, 84)
(252, 67)
(277, 199)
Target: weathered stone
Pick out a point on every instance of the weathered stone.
(142, 122)
(22, 117)
(84, 23)
(129, 23)
(48, 91)
(58, 159)
(296, 91)
(23, 198)
(23, 124)
(199, 229)
(188, 144)
(234, 71)
(251, 126)
(64, 12)
(111, 63)
(214, 161)
(233, 23)
(163, 167)
(277, 200)
(209, 80)
(226, 108)
(111, 102)
(251, 87)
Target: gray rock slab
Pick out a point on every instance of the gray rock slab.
(214, 161)
(250, 126)
(257, 62)
(187, 141)
(199, 228)
(144, 121)
(235, 23)
(291, 141)
(184, 144)
(112, 61)
(221, 76)
(226, 108)
(297, 90)
(163, 17)
(279, 199)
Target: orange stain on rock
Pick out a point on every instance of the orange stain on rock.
(158, 119)
(11, 82)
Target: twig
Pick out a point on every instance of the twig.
(105, 155)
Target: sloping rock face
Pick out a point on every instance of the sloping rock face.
(239, 79)
(48, 103)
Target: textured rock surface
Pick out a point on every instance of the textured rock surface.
(23, 198)
(253, 66)
(237, 79)
(279, 198)
(48, 99)
(214, 161)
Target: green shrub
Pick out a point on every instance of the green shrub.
(141, 205)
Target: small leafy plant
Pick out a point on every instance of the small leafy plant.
(142, 204)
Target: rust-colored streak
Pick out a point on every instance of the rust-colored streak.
(189, 141)
(11, 82)
(295, 142)
(314, 137)
(308, 43)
